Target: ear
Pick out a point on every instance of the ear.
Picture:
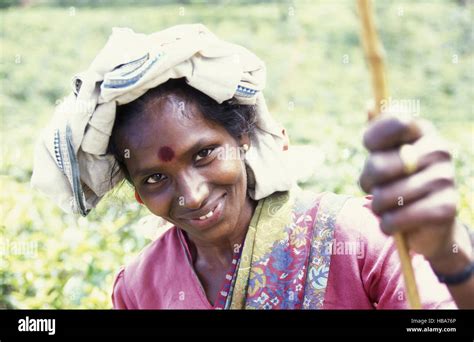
(244, 139)
(286, 139)
(138, 198)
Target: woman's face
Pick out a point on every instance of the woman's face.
(178, 163)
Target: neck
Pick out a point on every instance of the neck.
(220, 250)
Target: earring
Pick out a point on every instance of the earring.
(138, 198)
(245, 147)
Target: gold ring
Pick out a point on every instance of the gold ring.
(409, 158)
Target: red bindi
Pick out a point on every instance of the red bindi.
(166, 153)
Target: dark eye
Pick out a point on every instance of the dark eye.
(155, 178)
(204, 153)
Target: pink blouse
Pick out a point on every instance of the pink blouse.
(364, 272)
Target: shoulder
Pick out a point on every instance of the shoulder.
(358, 236)
(356, 221)
(353, 216)
(352, 226)
(132, 279)
(157, 248)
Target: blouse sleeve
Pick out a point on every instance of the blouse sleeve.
(378, 265)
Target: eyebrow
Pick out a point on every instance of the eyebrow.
(202, 142)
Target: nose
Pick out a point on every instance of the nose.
(193, 191)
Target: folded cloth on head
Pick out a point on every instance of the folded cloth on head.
(71, 162)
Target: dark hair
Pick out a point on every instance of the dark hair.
(237, 119)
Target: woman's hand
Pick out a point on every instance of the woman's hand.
(421, 203)
(415, 195)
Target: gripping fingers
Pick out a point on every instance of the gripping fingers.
(435, 209)
(401, 192)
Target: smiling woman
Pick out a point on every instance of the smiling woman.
(204, 195)
(169, 107)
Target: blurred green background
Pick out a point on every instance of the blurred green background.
(318, 87)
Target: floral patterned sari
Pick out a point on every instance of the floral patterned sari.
(286, 254)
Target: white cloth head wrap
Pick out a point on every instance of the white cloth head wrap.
(71, 165)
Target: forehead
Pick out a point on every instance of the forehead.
(166, 116)
(171, 122)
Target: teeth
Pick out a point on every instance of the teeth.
(209, 214)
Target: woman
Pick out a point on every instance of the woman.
(181, 116)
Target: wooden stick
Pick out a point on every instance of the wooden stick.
(375, 58)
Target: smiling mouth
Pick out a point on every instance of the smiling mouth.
(211, 217)
(208, 215)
